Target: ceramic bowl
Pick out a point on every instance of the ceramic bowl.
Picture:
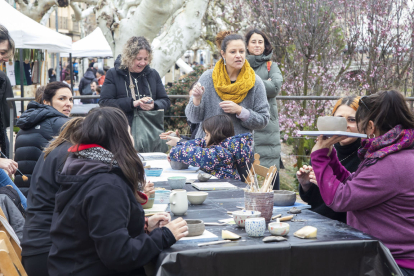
(241, 216)
(255, 227)
(278, 228)
(175, 165)
(203, 177)
(153, 172)
(331, 123)
(284, 198)
(195, 227)
(176, 182)
(197, 197)
(149, 203)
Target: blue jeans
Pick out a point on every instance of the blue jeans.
(5, 180)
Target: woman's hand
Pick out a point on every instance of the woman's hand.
(178, 228)
(158, 220)
(230, 107)
(8, 165)
(197, 93)
(306, 176)
(327, 143)
(147, 106)
(164, 136)
(149, 189)
(173, 141)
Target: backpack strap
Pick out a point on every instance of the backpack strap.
(269, 64)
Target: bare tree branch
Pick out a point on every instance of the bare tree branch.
(35, 12)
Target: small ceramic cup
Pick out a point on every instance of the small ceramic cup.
(255, 227)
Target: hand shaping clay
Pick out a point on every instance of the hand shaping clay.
(330, 123)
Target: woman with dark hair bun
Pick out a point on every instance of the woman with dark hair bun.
(38, 125)
(379, 196)
(259, 55)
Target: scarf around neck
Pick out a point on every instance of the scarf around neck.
(394, 140)
(94, 152)
(237, 91)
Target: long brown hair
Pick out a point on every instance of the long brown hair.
(108, 127)
(268, 46)
(386, 109)
(64, 135)
(220, 127)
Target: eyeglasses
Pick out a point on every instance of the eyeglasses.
(361, 101)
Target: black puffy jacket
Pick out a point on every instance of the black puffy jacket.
(116, 92)
(38, 125)
(98, 225)
(86, 81)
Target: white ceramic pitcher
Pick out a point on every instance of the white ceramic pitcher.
(178, 202)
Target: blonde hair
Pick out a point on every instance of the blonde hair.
(351, 101)
(64, 135)
(131, 50)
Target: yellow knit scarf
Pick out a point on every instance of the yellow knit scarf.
(235, 92)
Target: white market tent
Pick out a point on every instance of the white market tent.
(28, 34)
(93, 45)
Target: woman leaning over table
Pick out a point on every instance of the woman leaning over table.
(379, 196)
(267, 140)
(231, 88)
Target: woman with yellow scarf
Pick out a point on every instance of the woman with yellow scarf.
(231, 88)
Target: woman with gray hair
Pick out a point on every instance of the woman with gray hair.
(132, 83)
(133, 86)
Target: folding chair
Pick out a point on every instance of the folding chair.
(10, 264)
(4, 228)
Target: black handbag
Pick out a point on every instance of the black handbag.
(14, 196)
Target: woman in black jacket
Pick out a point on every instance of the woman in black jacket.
(132, 84)
(98, 225)
(38, 125)
(347, 154)
(85, 86)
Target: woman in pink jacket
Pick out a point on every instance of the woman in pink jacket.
(379, 196)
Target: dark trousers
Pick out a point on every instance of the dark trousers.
(36, 265)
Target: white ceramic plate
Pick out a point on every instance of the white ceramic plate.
(332, 133)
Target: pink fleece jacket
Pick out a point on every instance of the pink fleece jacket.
(378, 199)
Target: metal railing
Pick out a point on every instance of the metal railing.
(11, 100)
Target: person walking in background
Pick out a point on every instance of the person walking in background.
(266, 140)
(85, 86)
(52, 75)
(75, 70)
(100, 75)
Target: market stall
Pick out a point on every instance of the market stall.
(29, 34)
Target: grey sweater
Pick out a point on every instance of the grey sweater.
(255, 102)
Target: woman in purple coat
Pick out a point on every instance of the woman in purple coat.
(379, 196)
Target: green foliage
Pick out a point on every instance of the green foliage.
(180, 87)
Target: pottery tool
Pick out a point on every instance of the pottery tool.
(277, 216)
(286, 218)
(214, 242)
(25, 178)
(240, 207)
(214, 223)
